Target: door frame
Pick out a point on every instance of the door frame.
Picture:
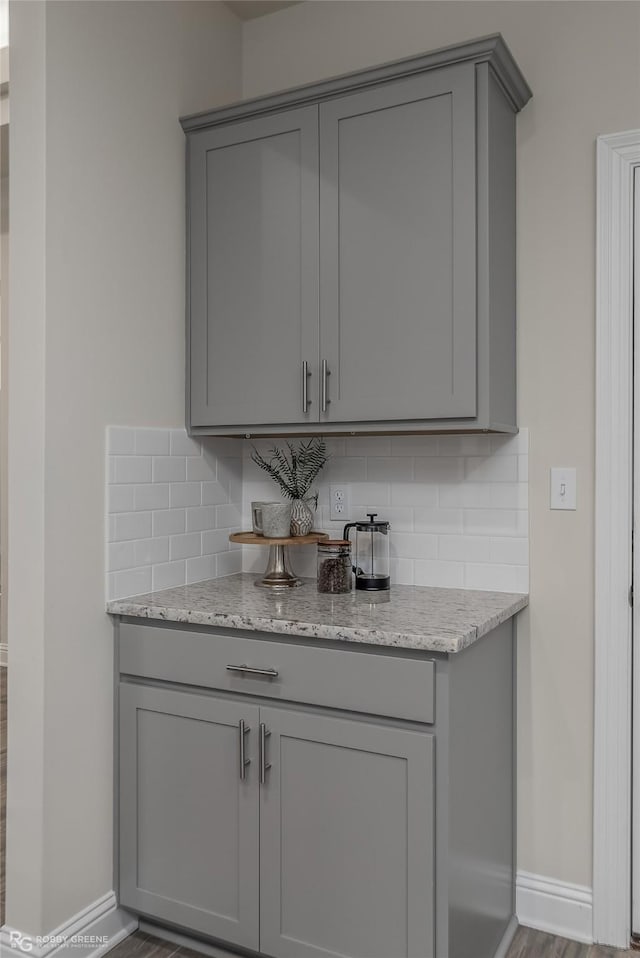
(617, 157)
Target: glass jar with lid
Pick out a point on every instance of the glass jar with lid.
(334, 566)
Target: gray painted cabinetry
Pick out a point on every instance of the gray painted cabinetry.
(352, 252)
(254, 812)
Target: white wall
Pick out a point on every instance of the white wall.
(96, 333)
(581, 60)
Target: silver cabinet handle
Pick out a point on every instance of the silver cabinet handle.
(325, 372)
(272, 673)
(306, 372)
(242, 731)
(264, 765)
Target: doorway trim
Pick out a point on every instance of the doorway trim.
(617, 157)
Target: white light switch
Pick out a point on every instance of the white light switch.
(563, 488)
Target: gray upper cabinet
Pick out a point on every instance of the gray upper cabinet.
(397, 206)
(253, 267)
(352, 252)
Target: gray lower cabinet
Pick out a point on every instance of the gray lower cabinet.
(346, 848)
(322, 848)
(351, 252)
(317, 800)
(189, 826)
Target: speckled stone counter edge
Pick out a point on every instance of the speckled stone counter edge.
(418, 618)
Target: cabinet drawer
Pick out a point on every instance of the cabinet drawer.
(340, 678)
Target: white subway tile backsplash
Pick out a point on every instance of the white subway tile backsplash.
(457, 506)
(152, 442)
(469, 495)
(152, 495)
(228, 516)
(185, 494)
(201, 518)
(368, 446)
(491, 469)
(216, 540)
(494, 522)
(182, 445)
(446, 521)
(435, 572)
(509, 551)
(155, 478)
(401, 571)
(464, 548)
(150, 551)
(492, 578)
(202, 567)
(414, 445)
(228, 563)
(168, 575)
(464, 445)
(523, 469)
(392, 468)
(414, 545)
(132, 525)
(185, 546)
(440, 469)
(413, 494)
(510, 445)
(213, 494)
(132, 469)
(131, 582)
(169, 522)
(401, 519)
(120, 499)
(510, 495)
(346, 469)
(121, 555)
(200, 469)
(121, 441)
(169, 469)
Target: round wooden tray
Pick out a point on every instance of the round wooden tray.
(278, 576)
(251, 539)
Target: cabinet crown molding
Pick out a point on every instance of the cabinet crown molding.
(491, 49)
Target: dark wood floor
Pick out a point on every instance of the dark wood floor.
(526, 944)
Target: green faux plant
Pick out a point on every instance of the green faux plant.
(295, 470)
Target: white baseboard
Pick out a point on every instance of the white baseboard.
(92, 932)
(554, 906)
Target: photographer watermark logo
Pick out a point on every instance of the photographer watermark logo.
(46, 943)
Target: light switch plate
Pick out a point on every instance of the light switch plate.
(563, 488)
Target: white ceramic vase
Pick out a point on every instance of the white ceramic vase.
(301, 518)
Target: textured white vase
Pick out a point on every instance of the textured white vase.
(301, 518)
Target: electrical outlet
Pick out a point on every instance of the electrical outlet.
(338, 502)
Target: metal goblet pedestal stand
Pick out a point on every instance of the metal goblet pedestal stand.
(278, 576)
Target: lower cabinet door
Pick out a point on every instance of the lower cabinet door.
(346, 839)
(188, 823)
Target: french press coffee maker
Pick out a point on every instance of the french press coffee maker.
(372, 553)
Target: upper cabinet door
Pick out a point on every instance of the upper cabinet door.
(253, 253)
(398, 249)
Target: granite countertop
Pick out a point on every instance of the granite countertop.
(408, 617)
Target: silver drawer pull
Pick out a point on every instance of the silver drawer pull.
(264, 765)
(272, 673)
(243, 730)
